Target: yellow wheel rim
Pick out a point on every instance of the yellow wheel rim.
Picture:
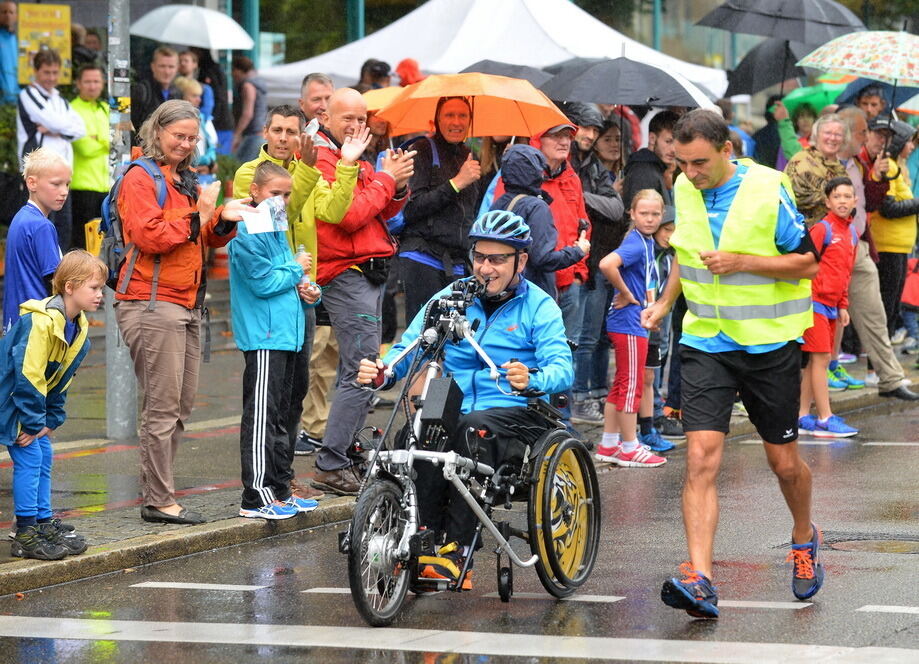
(569, 513)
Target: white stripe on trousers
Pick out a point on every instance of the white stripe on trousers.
(259, 426)
(633, 376)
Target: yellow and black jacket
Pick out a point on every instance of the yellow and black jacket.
(37, 366)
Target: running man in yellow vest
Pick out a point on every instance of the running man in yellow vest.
(744, 262)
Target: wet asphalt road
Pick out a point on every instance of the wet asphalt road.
(863, 491)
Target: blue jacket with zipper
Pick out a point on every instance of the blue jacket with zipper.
(37, 366)
(267, 311)
(527, 327)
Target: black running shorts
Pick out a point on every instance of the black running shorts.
(769, 385)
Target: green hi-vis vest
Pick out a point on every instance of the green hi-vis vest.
(751, 309)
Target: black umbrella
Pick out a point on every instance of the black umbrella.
(623, 81)
(535, 76)
(762, 66)
(571, 62)
(805, 21)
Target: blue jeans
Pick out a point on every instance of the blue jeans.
(32, 478)
(569, 301)
(591, 359)
(909, 322)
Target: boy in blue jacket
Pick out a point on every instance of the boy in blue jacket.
(38, 359)
(267, 295)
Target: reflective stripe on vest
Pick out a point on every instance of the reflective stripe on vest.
(751, 309)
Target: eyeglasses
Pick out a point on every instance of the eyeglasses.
(182, 138)
(494, 259)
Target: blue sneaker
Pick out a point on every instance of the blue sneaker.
(807, 424)
(834, 427)
(655, 442)
(834, 383)
(301, 504)
(272, 511)
(695, 594)
(807, 571)
(842, 375)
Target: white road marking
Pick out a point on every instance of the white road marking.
(194, 586)
(880, 608)
(328, 591)
(607, 599)
(745, 604)
(550, 647)
(891, 444)
(801, 441)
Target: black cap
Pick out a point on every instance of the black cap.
(879, 123)
(380, 68)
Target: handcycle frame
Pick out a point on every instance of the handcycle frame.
(448, 324)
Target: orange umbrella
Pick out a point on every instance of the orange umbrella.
(377, 99)
(501, 106)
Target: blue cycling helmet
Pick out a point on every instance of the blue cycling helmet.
(502, 226)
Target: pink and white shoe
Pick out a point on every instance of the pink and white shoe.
(638, 458)
(607, 453)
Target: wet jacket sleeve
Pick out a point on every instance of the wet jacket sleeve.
(30, 350)
(543, 255)
(374, 198)
(430, 195)
(553, 355)
(304, 178)
(243, 179)
(331, 201)
(153, 229)
(250, 254)
(604, 201)
(789, 139)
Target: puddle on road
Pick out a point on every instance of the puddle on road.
(877, 546)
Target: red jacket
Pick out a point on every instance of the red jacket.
(911, 287)
(568, 209)
(164, 232)
(362, 233)
(837, 257)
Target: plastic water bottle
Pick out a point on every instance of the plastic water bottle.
(301, 250)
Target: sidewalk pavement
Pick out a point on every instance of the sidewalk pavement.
(94, 484)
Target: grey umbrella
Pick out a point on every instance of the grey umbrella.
(535, 76)
(806, 21)
(763, 66)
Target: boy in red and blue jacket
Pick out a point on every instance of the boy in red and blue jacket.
(838, 241)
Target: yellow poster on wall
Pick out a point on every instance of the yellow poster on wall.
(43, 26)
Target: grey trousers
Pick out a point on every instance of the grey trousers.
(867, 312)
(355, 309)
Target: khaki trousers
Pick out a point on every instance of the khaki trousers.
(323, 369)
(165, 345)
(867, 312)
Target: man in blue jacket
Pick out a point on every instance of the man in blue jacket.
(521, 329)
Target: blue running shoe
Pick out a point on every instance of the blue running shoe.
(301, 504)
(695, 594)
(807, 424)
(834, 383)
(655, 442)
(851, 383)
(807, 571)
(834, 427)
(272, 511)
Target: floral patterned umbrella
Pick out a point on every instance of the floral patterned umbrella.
(891, 57)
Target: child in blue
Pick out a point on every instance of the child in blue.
(267, 291)
(32, 250)
(632, 271)
(38, 358)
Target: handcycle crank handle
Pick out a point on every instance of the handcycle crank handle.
(373, 384)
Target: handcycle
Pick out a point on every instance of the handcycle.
(555, 476)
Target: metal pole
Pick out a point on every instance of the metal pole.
(657, 24)
(355, 20)
(251, 24)
(120, 383)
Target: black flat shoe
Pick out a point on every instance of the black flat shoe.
(901, 392)
(154, 515)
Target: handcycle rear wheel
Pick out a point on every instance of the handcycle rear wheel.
(378, 580)
(564, 515)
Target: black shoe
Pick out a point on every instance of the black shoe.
(901, 392)
(304, 445)
(31, 543)
(154, 515)
(669, 427)
(73, 543)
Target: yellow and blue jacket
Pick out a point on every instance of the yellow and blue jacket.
(37, 366)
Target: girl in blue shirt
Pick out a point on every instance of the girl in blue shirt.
(632, 271)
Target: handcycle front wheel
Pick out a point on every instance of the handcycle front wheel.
(564, 514)
(377, 578)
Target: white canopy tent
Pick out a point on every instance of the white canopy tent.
(445, 36)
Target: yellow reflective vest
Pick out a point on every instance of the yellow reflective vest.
(749, 308)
